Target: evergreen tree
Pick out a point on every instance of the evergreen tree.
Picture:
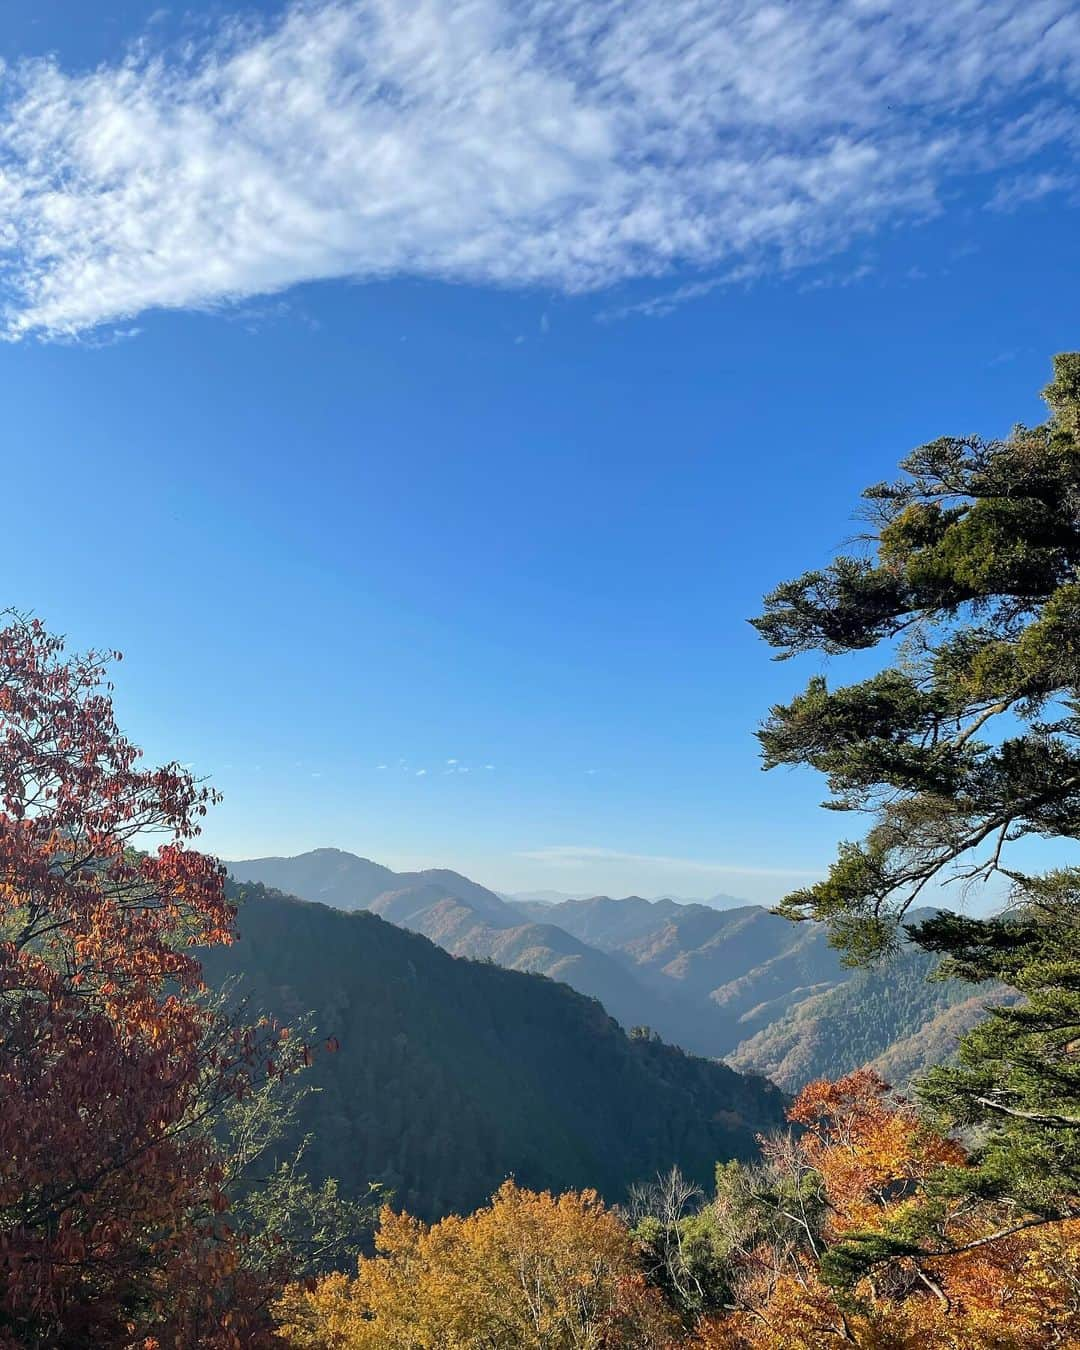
(1018, 1075)
(966, 743)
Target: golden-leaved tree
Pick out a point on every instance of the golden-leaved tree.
(529, 1271)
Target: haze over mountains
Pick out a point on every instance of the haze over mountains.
(737, 983)
(718, 901)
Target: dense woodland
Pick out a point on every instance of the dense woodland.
(156, 1190)
(900, 1018)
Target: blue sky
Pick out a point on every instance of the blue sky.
(440, 386)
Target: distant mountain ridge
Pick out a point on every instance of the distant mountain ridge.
(718, 901)
(468, 920)
(747, 963)
(739, 983)
(334, 877)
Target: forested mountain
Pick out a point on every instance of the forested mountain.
(453, 1074)
(936, 1040)
(737, 958)
(741, 983)
(893, 1016)
(546, 949)
(788, 1006)
(468, 920)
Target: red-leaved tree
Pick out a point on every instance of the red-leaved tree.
(113, 1226)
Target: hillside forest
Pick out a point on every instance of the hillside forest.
(313, 1102)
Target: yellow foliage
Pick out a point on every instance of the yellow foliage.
(541, 1272)
(528, 1272)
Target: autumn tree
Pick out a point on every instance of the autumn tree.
(852, 1181)
(529, 1270)
(114, 1222)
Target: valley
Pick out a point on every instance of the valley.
(737, 983)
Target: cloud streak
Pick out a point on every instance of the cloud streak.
(575, 855)
(569, 144)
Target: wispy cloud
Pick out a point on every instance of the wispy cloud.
(576, 855)
(1013, 193)
(564, 143)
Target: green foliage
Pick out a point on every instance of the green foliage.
(317, 1225)
(678, 1243)
(1018, 1076)
(968, 742)
(273, 1202)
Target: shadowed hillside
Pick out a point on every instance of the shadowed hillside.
(742, 983)
(453, 1074)
(467, 920)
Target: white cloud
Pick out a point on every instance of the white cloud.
(576, 855)
(1013, 193)
(421, 773)
(563, 143)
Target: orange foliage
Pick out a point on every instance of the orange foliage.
(111, 1213)
(869, 1151)
(957, 1291)
(528, 1270)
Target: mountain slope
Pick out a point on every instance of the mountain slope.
(936, 1040)
(740, 983)
(746, 963)
(545, 949)
(895, 1016)
(792, 1010)
(453, 1074)
(461, 917)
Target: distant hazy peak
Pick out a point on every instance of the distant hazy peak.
(347, 881)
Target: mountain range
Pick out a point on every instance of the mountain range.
(718, 901)
(738, 983)
(453, 1074)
